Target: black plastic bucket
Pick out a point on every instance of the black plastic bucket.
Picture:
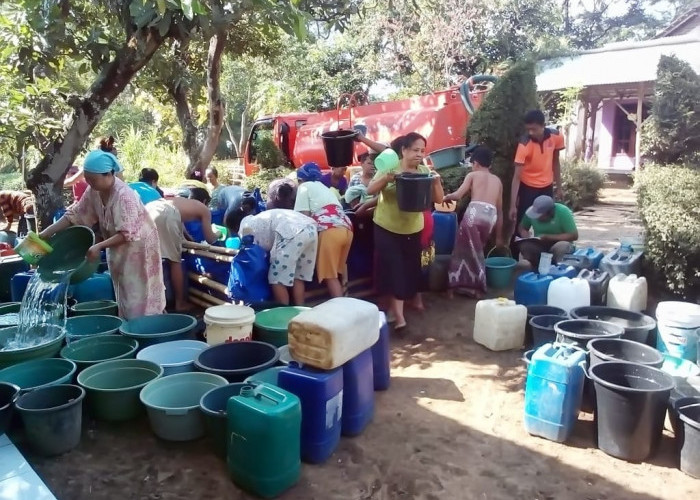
(235, 361)
(540, 310)
(674, 417)
(543, 329)
(414, 192)
(580, 331)
(631, 404)
(339, 146)
(638, 327)
(602, 350)
(8, 396)
(689, 415)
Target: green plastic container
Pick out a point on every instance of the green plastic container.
(37, 373)
(213, 405)
(46, 350)
(157, 328)
(499, 271)
(92, 350)
(9, 308)
(95, 308)
(52, 418)
(264, 425)
(82, 327)
(271, 324)
(113, 387)
(33, 249)
(70, 247)
(172, 404)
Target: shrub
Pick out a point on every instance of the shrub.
(263, 177)
(581, 183)
(139, 150)
(669, 205)
(672, 132)
(498, 123)
(267, 154)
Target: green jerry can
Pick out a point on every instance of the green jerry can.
(264, 439)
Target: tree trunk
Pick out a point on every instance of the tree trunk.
(46, 179)
(190, 143)
(217, 110)
(232, 137)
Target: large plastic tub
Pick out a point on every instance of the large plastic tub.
(158, 328)
(175, 357)
(213, 405)
(41, 351)
(173, 404)
(37, 373)
(638, 327)
(237, 360)
(92, 350)
(80, 327)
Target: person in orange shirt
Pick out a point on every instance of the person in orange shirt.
(537, 169)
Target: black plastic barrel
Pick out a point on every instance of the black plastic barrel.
(543, 329)
(688, 437)
(540, 310)
(8, 396)
(339, 146)
(631, 404)
(414, 192)
(580, 331)
(235, 361)
(602, 350)
(638, 327)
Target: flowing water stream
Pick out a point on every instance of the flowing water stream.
(42, 315)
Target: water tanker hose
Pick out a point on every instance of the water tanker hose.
(466, 87)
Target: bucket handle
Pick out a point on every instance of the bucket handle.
(510, 254)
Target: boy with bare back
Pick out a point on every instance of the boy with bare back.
(467, 273)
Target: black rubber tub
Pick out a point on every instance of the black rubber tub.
(581, 331)
(540, 310)
(543, 329)
(689, 442)
(638, 327)
(602, 350)
(631, 404)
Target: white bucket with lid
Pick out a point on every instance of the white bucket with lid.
(228, 323)
(679, 329)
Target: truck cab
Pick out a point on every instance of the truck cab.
(282, 129)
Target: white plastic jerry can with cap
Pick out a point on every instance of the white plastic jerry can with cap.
(628, 292)
(499, 324)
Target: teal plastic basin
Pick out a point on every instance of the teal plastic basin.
(100, 348)
(37, 373)
(113, 387)
(70, 247)
(271, 324)
(80, 327)
(213, 405)
(9, 308)
(172, 404)
(95, 307)
(175, 357)
(499, 271)
(41, 351)
(158, 328)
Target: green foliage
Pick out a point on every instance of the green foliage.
(12, 181)
(581, 183)
(262, 178)
(139, 150)
(672, 133)
(268, 155)
(498, 123)
(669, 205)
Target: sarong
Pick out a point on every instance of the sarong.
(467, 266)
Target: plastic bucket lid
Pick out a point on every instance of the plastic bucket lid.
(231, 315)
(679, 314)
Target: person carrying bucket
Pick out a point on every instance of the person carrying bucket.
(131, 237)
(467, 272)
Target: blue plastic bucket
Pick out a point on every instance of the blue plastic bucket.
(175, 357)
(679, 329)
(173, 404)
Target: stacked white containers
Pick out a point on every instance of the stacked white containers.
(569, 293)
(499, 324)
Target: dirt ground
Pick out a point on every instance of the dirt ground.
(449, 427)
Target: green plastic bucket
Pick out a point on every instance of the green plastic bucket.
(41, 351)
(271, 324)
(31, 375)
(213, 405)
(95, 307)
(172, 404)
(158, 328)
(52, 418)
(81, 327)
(70, 247)
(499, 271)
(268, 376)
(92, 350)
(113, 387)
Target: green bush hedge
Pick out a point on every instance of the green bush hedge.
(263, 177)
(669, 205)
(581, 183)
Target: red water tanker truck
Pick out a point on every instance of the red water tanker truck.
(441, 117)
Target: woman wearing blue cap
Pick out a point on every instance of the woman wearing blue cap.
(131, 238)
